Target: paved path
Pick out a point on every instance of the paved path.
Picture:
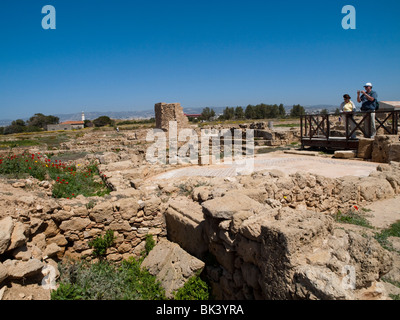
(384, 212)
(288, 163)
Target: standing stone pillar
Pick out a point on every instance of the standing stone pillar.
(166, 112)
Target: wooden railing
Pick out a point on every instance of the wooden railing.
(319, 126)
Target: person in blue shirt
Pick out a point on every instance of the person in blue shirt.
(368, 99)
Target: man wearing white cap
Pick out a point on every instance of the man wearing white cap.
(368, 101)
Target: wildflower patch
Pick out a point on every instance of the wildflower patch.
(70, 180)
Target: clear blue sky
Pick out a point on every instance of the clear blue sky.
(128, 55)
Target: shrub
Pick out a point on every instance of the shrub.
(101, 244)
(104, 280)
(67, 291)
(150, 243)
(194, 289)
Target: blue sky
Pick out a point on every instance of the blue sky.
(128, 55)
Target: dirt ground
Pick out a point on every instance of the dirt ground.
(21, 291)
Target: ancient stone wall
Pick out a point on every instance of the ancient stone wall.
(166, 112)
(37, 235)
(270, 240)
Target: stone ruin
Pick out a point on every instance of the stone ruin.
(166, 112)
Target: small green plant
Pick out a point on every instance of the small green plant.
(394, 296)
(392, 231)
(67, 291)
(194, 289)
(150, 243)
(101, 244)
(352, 217)
(185, 189)
(90, 204)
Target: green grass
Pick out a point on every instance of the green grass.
(395, 283)
(67, 156)
(392, 231)
(352, 218)
(53, 141)
(18, 143)
(287, 125)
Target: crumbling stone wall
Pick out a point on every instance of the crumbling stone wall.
(289, 254)
(271, 240)
(166, 112)
(37, 235)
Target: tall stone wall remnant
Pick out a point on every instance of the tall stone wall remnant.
(166, 112)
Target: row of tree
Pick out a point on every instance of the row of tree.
(39, 122)
(259, 111)
(35, 123)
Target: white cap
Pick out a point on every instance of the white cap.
(368, 84)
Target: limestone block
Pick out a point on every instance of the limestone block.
(185, 222)
(394, 152)
(365, 148)
(18, 237)
(230, 204)
(6, 228)
(75, 224)
(172, 265)
(345, 154)
(23, 269)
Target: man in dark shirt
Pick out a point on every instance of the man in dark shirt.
(368, 101)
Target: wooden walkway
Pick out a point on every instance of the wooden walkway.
(316, 129)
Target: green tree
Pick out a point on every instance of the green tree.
(228, 113)
(324, 112)
(337, 112)
(207, 114)
(297, 111)
(88, 124)
(102, 121)
(17, 126)
(259, 111)
(274, 113)
(239, 113)
(282, 111)
(39, 120)
(18, 122)
(250, 112)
